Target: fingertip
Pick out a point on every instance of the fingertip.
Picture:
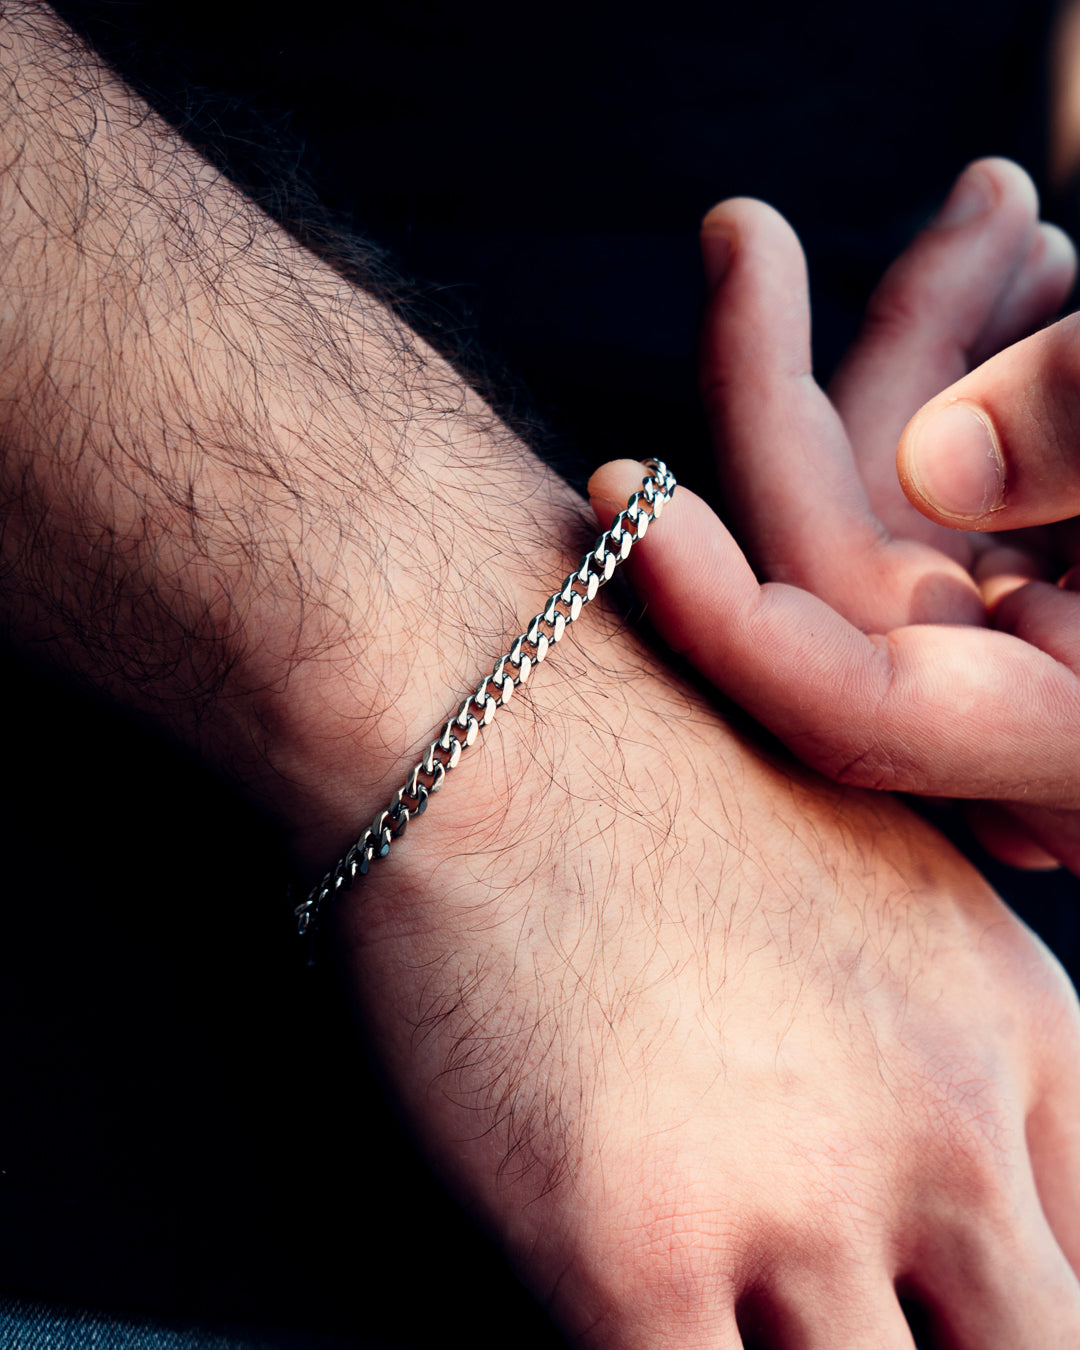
(1034, 296)
(1005, 838)
(691, 532)
(972, 195)
(716, 217)
(734, 211)
(951, 466)
(1011, 178)
(985, 184)
(717, 247)
(612, 486)
(1056, 253)
(998, 449)
(1046, 617)
(1010, 168)
(755, 328)
(725, 225)
(1000, 570)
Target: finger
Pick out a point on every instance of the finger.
(785, 461)
(1048, 617)
(1055, 831)
(989, 1267)
(1022, 1293)
(1050, 550)
(1035, 295)
(999, 570)
(1000, 449)
(776, 431)
(980, 270)
(1053, 1127)
(632, 1329)
(815, 1310)
(1062, 540)
(605, 1300)
(1005, 838)
(958, 712)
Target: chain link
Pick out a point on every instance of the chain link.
(494, 691)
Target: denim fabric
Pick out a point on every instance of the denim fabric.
(34, 1326)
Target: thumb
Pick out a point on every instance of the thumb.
(1000, 449)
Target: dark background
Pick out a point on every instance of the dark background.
(187, 1126)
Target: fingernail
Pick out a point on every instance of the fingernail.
(972, 194)
(717, 244)
(956, 464)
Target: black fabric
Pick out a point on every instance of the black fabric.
(545, 167)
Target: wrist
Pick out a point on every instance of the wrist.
(472, 546)
(526, 652)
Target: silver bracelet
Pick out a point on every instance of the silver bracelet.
(528, 650)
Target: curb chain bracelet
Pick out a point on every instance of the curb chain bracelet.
(494, 690)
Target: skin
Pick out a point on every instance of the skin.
(1025, 398)
(885, 648)
(723, 1055)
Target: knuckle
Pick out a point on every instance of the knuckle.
(673, 1264)
(972, 1144)
(671, 1249)
(853, 758)
(868, 769)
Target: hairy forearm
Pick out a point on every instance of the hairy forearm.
(240, 496)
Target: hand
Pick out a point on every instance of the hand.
(853, 669)
(1025, 475)
(721, 1056)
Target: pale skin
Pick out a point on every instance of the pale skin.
(892, 647)
(721, 1053)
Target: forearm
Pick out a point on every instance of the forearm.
(240, 495)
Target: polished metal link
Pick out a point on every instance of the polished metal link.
(494, 691)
